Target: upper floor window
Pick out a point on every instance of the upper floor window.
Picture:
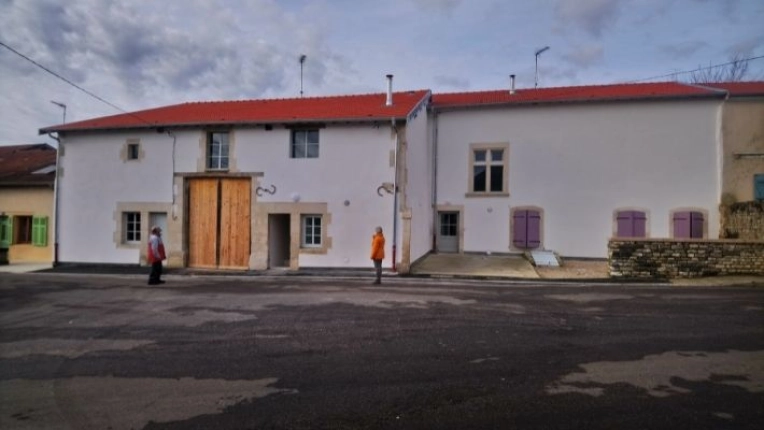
(133, 151)
(758, 187)
(304, 144)
(217, 151)
(488, 169)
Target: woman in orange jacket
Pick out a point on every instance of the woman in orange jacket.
(378, 252)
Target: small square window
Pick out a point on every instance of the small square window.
(133, 151)
(497, 155)
(311, 231)
(480, 156)
(132, 227)
(304, 144)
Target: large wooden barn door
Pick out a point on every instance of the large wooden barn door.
(234, 223)
(202, 223)
(219, 223)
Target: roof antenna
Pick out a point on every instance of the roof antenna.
(302, 61)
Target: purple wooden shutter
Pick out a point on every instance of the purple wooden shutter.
(519, 236)
(533, 234)
(696, 225)
(625, 220)
(682, 225)
(640, 223)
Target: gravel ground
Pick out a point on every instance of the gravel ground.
(575, 269)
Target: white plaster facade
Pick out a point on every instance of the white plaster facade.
(354, 160)
(580, 162)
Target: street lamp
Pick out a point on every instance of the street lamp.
(56, 186)
(539, 52)
(62, 106)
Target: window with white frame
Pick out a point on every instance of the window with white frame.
(304, 144)
(217, 151)
(311, 231)
(132, 226)
(488, 169)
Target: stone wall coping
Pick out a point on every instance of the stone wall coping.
(666, 240)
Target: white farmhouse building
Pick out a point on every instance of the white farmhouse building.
(303, 182)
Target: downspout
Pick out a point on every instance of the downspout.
(395, 193)
(435, 181)
(55, 199)
(174, 189)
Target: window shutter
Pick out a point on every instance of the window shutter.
(758, 187)
(696, 225)
(682, 225)
(625, 221)
(534, 229)
(6, 231)
(519, 229)
(40, 231)
(640, 224)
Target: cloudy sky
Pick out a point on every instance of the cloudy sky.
(143, 53)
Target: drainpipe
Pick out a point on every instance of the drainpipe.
(435, 181)
(56, 187)
(395, 193)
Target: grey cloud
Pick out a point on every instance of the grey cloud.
(684, 49)
(452, 82)
(585, 56)
(593, 16)
(438, 5)
(746, 47)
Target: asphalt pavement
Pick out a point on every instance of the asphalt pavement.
(87, 351)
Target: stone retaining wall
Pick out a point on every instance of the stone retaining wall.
(691, 258)
(743, 220)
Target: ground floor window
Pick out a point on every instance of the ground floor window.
(631, 224)
(132, 225)
(22, 230)
(526, 228)
(688, 225)
(311, 231)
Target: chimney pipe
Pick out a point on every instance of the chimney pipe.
(511, 84)
(389, 101)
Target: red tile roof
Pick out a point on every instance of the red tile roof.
(18, 162)
(366, 107)
(753, 88)
(646, 91)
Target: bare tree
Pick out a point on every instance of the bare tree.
(734, 71)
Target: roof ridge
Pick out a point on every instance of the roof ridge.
(564, 87)
(290, 99)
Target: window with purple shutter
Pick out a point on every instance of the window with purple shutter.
(631, 224)
(526, 231)
(688, 225)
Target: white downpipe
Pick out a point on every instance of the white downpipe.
(395, 194)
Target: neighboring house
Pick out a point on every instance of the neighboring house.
(303, 182)
(565, 169)
(27, 176)
(249, 184)
(743, 142)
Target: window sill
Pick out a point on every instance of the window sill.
(130, 245)
(317, 250)
(486, 194)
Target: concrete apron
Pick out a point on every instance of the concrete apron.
(475, 265)
(24, 267)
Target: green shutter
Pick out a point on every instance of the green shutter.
(6, 231)
(40, 231)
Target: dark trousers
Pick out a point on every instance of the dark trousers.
(378, 269)
(156, 272)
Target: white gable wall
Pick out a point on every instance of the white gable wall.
(419, 188)
(581, 162)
